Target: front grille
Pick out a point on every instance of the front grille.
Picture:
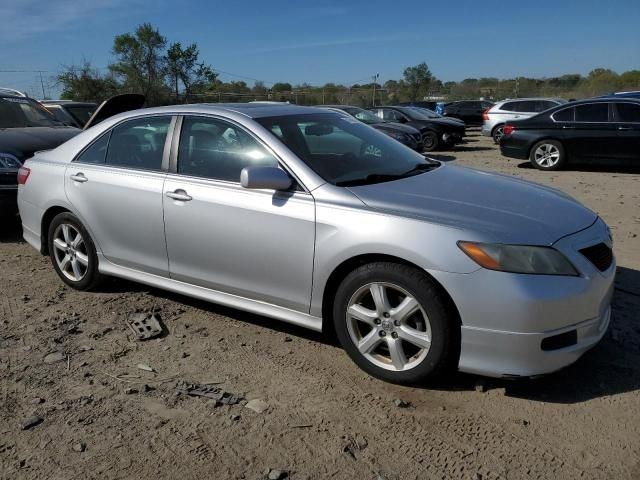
(600, 255)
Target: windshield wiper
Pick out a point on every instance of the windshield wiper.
(419, 168)
(373, 178)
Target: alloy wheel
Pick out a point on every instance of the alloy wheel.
(498, 133)
(388, 326)
(547, 155)
(70, 252)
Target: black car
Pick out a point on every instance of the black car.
(409, 136)
(27, 127)
(436, 132)
(69, 112)
(468, 110)
(588, 130)
(419, 103)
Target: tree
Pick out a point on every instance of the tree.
(140, 62)
(87, 84)
(183, 67)
(417, 80)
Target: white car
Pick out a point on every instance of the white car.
(496, 117)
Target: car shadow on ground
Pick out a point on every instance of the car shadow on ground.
(10, 230)
(462, 148)
(440, 156)
(605, 168)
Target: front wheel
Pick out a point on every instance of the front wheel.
(430, 141)
(548, 155)
(394, 324)
(73, 253)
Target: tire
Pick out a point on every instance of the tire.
(497, 133)
(73, 253)
(387, 338)
(548, 155)
(430, 141)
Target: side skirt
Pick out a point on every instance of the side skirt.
(214, 296)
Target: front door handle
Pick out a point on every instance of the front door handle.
(568, 127)
(180, 195)
(79, 177)
(623, 127)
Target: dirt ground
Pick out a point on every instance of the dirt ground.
(104, 417)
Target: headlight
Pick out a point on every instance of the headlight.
(518, 258)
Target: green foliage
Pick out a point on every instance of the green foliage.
(84, 83)
(417, 80)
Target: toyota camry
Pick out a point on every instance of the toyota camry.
(314, 218)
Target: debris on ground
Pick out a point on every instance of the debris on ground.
(257, 405)
(352, 445)
(31, 422)
(275, 474)
(54, 357)
(145, 367)
(209, 391)
(145, 326)
(79, 447)
(130, 391)
(398, 402)
(481, 386)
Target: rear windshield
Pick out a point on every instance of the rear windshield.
(82, 113)
(24, 112)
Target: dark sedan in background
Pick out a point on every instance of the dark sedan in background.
(436, 132)
(468, 110)
(409, 136)
(69, 112)
(590, 130)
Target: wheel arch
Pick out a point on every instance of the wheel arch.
(342, 270)
(493, 130)
(47, 218)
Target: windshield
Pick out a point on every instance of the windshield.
(426, 112)
(418, 113)
(23, 112)
(364, 116)
(344, 151)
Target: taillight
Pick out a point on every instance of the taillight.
(508, 129)
(23, 175)
(485, 114)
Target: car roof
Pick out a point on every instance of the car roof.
(68, 102)
(251, 110)
(553, 99)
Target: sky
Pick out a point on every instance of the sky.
(329, 41)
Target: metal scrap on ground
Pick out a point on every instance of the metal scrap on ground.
(209, 391)
(145, 325)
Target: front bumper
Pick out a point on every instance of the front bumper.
(510, 320)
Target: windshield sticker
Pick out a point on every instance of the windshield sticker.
(373, 151)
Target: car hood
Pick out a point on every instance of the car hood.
(23, 142)
(509, 210)
(443, 123)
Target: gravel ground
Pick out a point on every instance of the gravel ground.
(70, 366)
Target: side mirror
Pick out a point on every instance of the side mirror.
(271, 178)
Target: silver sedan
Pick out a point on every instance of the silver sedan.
(314, 218)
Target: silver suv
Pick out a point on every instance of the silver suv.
(494, 118)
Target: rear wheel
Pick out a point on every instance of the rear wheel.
(73, 253)
(498, 133)
(393, 323)
(548, 155)
(431, 141)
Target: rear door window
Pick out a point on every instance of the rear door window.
(592, 112)
(139, 143)
(564, 115)
(628, 112)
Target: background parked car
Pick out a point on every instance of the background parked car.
(632, 94)
(588, 130)
(25, 127)
(468, 110)
(433, 114)
(436, 132)
(76, 114)
(409, 136)
(421, 104)
(505, 111)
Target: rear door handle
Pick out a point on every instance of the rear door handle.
(623, 127)
(180, 195)
(79, 177)
(568, 127)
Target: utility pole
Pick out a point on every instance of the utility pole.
(375, 79)
(44, 97)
